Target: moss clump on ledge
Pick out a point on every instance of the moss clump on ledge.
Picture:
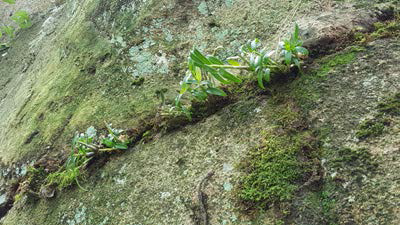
(374, 127)
(275, 171)
(332, 62)
(370, 128)
(390, 106)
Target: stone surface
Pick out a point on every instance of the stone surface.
(75, 68)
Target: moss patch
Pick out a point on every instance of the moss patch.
(274, 171)
(370, 128)
(390, 105)
(331, 62)
(374, 127)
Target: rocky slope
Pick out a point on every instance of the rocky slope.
(86, 62)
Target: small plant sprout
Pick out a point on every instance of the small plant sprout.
(83, 148)
(206, 74)
(21, 18)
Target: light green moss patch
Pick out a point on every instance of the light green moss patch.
(273, 171)
(334, 61)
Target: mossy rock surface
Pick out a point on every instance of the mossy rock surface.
(78, 66)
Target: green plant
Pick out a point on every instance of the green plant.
(8, 30)
(9, 1)
(206, 74)
(21, 18)
(83, 148)
(115, 139)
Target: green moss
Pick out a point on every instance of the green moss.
(331, 62)
(386, 29)
(370, 128)
(390, 105)
(357, 161)
(374, 127)
(274, 170)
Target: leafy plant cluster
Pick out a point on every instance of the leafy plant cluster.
(206, 74)
(21, 18)
(84, 147)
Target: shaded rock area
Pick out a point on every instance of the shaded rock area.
(86, 62)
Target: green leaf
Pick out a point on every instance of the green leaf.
(9, 30)
(121, 146)
(257, 61)
(9, 1)
(215, 91)
(287, 45)
(260, 76)
(184, 88)
(229, 76)
(267, 75)
(191, 65)
(214, 60)
(22, 19)
(233, 62)
(296, 32)
(107, 142)
(216, 75)
(288, 57)
(197, 74)
(301, 50)
(197, 56)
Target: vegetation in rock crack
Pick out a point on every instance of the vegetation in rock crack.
(21, 18)
(84, 147)
(206, 74)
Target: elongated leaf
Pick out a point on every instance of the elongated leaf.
(196, 60)
(192, 82)
(260, 77)
(200, 56)
(9, 1)
(267, 75)
(214, 60)
(197, 74)
(216, 75)
(215, 91)
(107, 142)
(296, 32)
(288, 57)
(191, 65)
(233, 62)
(258, 61)
(229, 76)
(184, 88)
(121, 146)
(252, 61)
(287, 45)
(178, 101)
(301, 50)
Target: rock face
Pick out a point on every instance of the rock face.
(86, 62)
